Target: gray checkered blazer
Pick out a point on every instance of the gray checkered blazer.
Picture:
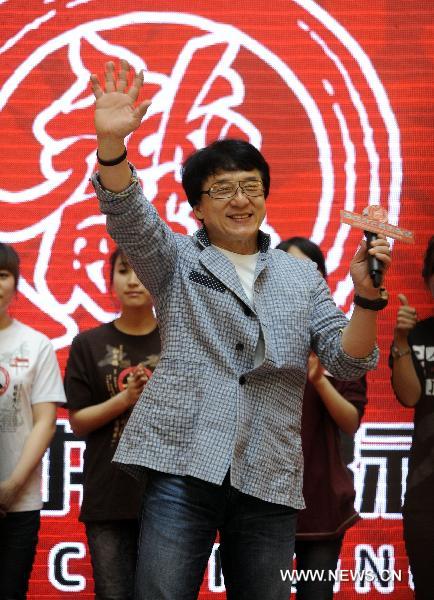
(206, 408)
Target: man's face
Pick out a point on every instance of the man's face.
(233, 223)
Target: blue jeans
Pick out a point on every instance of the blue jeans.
(317, 555)
(113, 552)
(18, 540)
(181, 516)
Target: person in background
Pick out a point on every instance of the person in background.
(412, 363)
(30, 389)
(329, 407)
(106, 371)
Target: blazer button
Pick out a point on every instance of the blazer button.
(242, 380)
(247, 311)
(239, 346)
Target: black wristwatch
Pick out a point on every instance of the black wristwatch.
(377, 304)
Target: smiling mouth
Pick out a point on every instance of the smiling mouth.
(239, 217)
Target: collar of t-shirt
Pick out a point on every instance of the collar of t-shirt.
(245, 266)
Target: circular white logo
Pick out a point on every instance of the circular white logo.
(311, 101)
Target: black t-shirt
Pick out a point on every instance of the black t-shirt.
(99, 363)
(420, 480)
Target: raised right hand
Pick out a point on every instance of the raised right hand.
(116, 114)
(406, 318)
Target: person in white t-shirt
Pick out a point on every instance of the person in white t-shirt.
(30, 388)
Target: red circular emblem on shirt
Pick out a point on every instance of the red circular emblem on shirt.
(4, 380)
(123, 376)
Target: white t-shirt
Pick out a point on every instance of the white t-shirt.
(29, 374)
(245, 266)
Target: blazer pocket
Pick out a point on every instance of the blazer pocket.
(207, 281)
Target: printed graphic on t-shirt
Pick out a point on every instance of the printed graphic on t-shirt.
(116, 379)
(13, 365)
(115, 356)
(11, 417)
(424, 432)
(425, 356)
(4, 380)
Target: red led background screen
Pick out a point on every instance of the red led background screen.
(338, 95)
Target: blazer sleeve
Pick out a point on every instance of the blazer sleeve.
(327, 324)
(143, 236)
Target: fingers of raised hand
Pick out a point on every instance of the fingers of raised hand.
(122, 81)
(118, 82)
(109, 74)
(119, 95)
(136, 85)
(96, 86)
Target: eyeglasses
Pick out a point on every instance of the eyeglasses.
(226, 190)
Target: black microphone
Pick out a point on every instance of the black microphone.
(375, 266)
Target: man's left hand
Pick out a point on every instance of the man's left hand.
(380, 248)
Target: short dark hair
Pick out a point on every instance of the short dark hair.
(112, 261)
(10, 261)
(221, 155)
(428, 261)
(312, 250)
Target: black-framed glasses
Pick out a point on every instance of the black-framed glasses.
(225, 190)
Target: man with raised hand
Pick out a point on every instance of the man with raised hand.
(217, 429)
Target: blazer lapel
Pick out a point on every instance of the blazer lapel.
(221, 267)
